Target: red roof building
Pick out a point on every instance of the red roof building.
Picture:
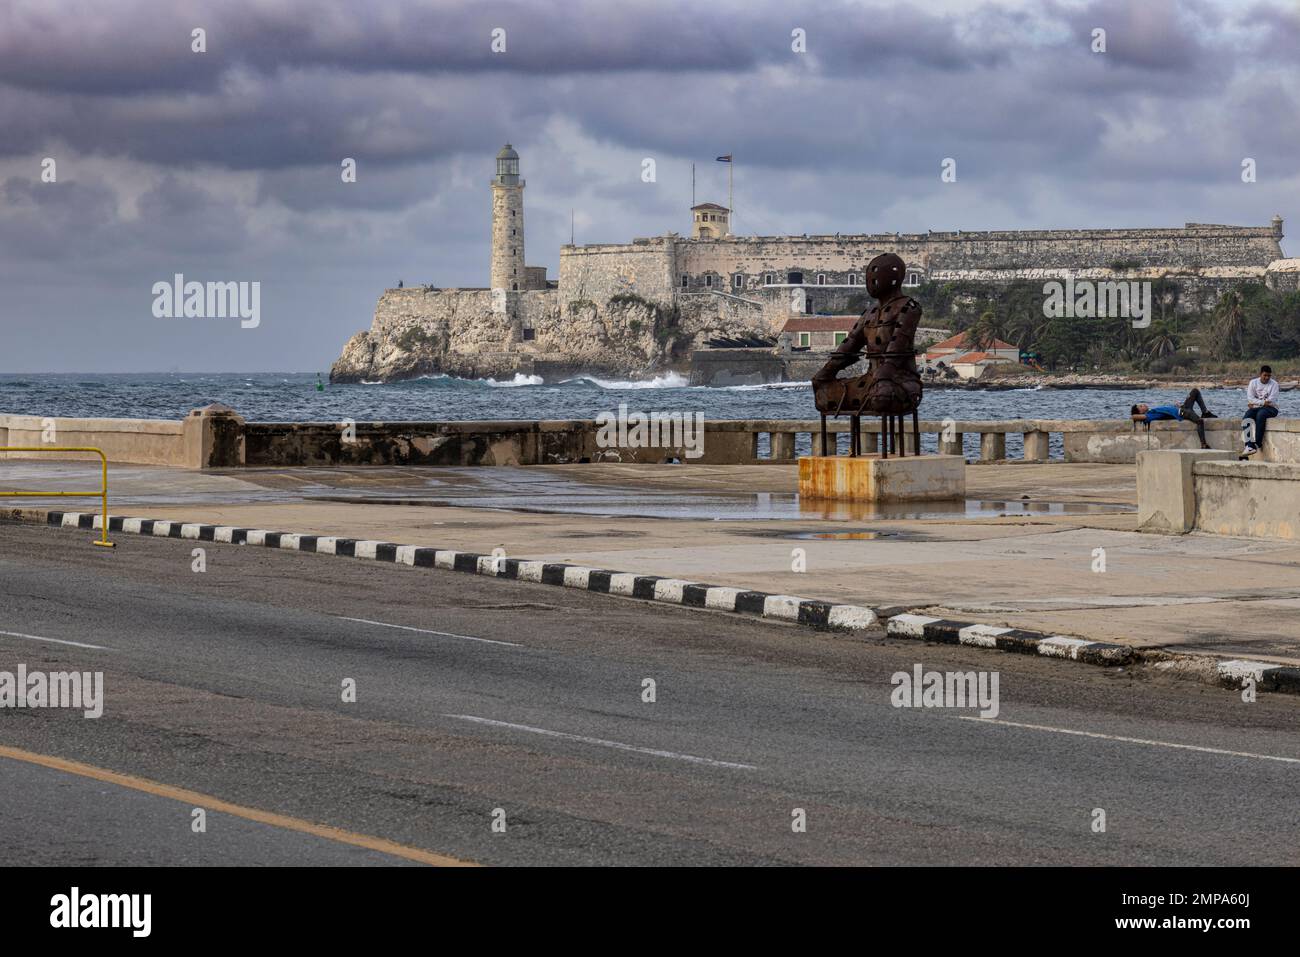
(819, 332)
(961, 342)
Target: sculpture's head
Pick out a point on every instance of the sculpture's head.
(885, 275)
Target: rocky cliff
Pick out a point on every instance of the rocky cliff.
(476, 333)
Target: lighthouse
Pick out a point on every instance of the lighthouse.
(508, 270)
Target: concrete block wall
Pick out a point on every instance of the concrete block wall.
(1186, 490)
(1166, 497)
(1251, 499)
(211, 437)
(136, 441)
(1119, 443)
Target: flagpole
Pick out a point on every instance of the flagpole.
(692, 186)
(731, 209)
(730, 160)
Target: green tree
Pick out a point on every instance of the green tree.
(988, 329)
(1163, 338)
(1230, 321)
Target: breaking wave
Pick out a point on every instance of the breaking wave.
(518, 380)
(669, 380)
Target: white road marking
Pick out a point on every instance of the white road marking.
(603, 743)
(1115, 737)
(57, 641)
(425, 631)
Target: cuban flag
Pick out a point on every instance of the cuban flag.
(725, 159)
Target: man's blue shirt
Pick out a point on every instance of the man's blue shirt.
(1163, 412)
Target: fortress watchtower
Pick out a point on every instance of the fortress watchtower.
(710, 221)
(508, 270)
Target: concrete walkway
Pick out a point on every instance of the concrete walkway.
(1022, 552)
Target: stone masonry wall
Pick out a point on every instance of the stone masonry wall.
(507, 269)
(646, 268)
(1284, 275)
(1238, 250)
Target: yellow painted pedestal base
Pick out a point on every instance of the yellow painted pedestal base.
(869, 478)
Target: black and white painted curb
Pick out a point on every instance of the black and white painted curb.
(1230, 674)
(948, 632)
(674, 591)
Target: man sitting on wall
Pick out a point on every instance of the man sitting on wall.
(1148, 414)
(1261, 402)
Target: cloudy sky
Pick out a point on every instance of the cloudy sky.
(225, 165)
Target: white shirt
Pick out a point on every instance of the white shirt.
(1259, 393)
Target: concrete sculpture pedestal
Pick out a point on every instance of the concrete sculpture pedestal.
(869, 478)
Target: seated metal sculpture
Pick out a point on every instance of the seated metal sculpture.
(891, 386)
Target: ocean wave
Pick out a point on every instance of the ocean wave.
(755, 387)
(441, 380)
(669, 380)
(518, 380)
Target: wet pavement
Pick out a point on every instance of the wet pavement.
(544, 490)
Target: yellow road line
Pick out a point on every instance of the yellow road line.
(195, 799)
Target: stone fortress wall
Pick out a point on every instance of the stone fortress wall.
(645, 267)
(777, 275)
(1211, 252)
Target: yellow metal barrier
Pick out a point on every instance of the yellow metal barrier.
(103, 488)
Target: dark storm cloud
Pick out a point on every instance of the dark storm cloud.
(141, 46)
(41, 223)
(229, 161)
(306, 84)
(288, 85)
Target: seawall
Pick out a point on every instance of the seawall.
(216, 437)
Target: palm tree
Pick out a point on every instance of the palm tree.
(987, 330)
(1163, 338)
(1230, 320)
(1026, 327)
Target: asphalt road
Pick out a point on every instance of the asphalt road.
(479, 701)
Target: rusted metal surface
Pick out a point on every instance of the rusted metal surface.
(891, 386)
(840, 478)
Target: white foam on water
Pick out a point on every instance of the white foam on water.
(754, 387)
(518, 380)
(669, 380)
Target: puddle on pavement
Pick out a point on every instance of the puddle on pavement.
(762, 506)
(969, 508)
(839, 536)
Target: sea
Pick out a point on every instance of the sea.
(295, 397)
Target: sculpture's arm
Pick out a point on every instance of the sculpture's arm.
(845, 354)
